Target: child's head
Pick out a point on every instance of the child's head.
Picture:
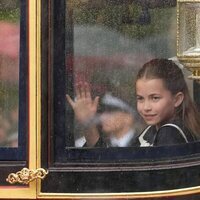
(117, 117)
(167, 71)
(165, 92)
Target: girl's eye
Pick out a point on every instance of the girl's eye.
(139, 98)
(155, 98)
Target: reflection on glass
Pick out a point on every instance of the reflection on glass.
(107, 42)
(191, 44)
(9, 69)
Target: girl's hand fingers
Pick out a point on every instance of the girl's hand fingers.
(82, 90)
(78, 90)
(96, 101)
(87, 91)
(69, 99)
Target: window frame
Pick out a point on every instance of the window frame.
(74, 163)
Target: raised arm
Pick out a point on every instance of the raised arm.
(85, 109)
(84, 106)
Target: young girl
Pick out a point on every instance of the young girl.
(163, 101)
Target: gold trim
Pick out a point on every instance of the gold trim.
(33, 31)
(135, 195)
(25, 176)
(39, 90)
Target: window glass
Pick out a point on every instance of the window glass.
(102, 46)
(9, 72)
(106, 43)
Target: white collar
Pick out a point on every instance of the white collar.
(123, 141)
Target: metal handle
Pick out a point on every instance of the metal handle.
(25, 176)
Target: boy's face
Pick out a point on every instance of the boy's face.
(116, 122)
(155, 103)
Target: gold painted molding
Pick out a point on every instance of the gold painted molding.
(136, 195)
(25, 176)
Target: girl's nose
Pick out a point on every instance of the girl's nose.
(147, 105)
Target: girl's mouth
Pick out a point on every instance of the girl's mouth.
(149, 117)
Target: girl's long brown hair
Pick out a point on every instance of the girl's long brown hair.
(174, 81)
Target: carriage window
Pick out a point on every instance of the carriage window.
(91, 53)
(106, 43)
(13, 80)
(9, 72)
(109, 42)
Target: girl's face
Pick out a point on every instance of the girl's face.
(155, 103)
